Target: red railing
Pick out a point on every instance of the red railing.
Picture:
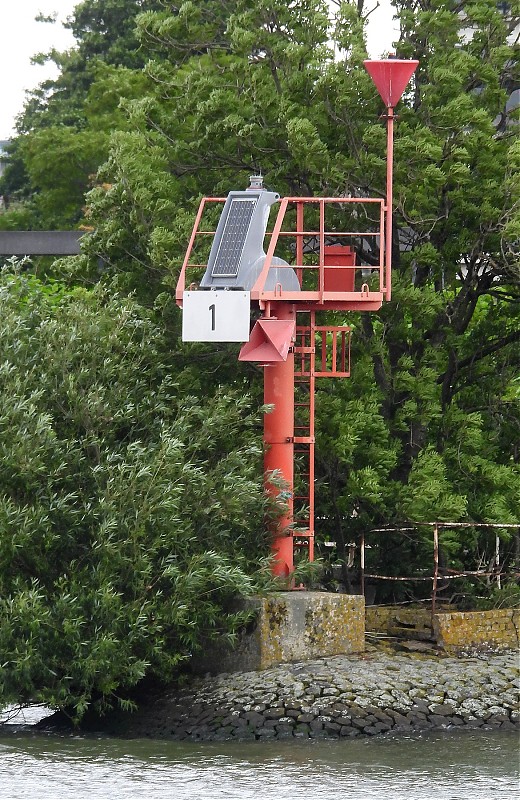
(309, 249)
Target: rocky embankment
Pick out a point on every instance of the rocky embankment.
(343, 696)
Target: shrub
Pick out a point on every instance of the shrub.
(130, 512)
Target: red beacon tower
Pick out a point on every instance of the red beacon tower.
(231, 271)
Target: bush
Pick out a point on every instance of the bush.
(507, 596)
(130, 513)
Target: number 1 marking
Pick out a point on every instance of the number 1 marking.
(212, 309)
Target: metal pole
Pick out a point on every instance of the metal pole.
(389, 200)
(497, 560)
(312, 411)
(299, 243)
(279, 447)
(362, 564)
(435, 567)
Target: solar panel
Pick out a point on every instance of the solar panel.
(231, 247)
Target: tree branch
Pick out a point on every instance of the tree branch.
(448, 377)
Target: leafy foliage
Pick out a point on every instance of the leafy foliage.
(130, 511)
(427, 427)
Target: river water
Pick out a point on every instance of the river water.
(437, 765)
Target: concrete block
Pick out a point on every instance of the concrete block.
(496, 628)
(290, 627)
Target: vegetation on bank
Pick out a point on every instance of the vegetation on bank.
(130, 497)
(131, 512)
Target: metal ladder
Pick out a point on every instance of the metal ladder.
(304, 437)
(319, 352)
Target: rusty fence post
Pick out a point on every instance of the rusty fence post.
(362, 560)
(435, 567)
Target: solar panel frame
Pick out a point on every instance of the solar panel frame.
(234, 236)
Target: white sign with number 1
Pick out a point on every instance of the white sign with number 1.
(216, 316)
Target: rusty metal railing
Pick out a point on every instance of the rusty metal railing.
(447, 573)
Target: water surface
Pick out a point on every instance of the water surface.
(441, 765)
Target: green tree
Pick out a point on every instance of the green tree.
(106, 31)
(433, 414)
(130, 510)
(427, 426)
(226, 109)
(444, 352)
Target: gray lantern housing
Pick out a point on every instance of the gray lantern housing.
(237, 253)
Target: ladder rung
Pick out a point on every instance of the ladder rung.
(304, 369)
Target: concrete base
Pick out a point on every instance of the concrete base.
(291, 626)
